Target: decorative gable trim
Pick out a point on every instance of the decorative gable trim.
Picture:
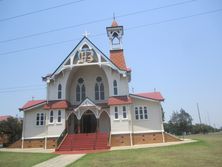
(87, 103)
(70, 59)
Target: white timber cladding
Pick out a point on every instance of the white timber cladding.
(89, 75)
(120, 125)
(54, 129)
(68, 81)
(154, 121)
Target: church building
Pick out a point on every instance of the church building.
(89, 106)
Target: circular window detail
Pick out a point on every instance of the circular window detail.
(80, 80)
(98, 79)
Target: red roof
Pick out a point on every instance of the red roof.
(117, 57)
(151, 95)
(4, 117)
(32, 103)
(57, 104)
(119, 100)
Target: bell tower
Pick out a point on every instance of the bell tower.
(115, 33)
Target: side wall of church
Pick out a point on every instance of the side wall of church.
(33, 131)
(154, 121)
(56, 128)
(120, 125)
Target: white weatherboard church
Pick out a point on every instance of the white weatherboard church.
(89, 106)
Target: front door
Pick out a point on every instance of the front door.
(88, 122)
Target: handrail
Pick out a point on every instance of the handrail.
(61, 137)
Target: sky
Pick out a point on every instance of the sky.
(174, 47)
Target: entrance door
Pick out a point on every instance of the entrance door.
(88, 122)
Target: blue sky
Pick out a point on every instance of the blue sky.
(171, 46)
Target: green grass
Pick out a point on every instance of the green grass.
(15, 159)
(206, 152)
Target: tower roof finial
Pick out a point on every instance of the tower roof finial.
(114, 23)
(114, 17)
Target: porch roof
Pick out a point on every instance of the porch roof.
(119, 100)
(57, 104)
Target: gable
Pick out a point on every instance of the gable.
(84, 54)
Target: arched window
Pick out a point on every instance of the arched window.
(51, 117)
(80, 90)
(78, 93)
(115, 88)
(83, 92)
(59, 91)
(96, 91)
(99, 89)
(102, 94)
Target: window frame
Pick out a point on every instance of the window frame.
(136, 111)
(116, 113)
(99, 89)
(59, 91)
(145, 114)
(115, 88)
(124, 111)
(51, 117)
(37, 119)
(80, 90)
(141, 113)
(40, 119)
(59, 116)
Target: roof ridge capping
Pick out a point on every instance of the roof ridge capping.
(149, 95)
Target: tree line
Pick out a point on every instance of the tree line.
(180, 123)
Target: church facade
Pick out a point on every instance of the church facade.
(88, 94)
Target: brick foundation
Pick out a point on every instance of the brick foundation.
(116, 140)
(142, 138)
(147, 138)
(120, 140)
(35, 143)
(171, 138)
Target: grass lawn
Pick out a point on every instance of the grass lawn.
(206, 152)
(15, 159)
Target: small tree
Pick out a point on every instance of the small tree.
(12, 128)
(180, 122)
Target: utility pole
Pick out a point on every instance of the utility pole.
(199, 113)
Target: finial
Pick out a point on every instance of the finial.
(114, 17)
(86, 34)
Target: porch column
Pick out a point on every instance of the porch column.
(78, 127)
(97, 124)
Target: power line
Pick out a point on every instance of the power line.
(175, 19)
(23, 90)
(40, 10)
(20, 87)
(130, 28)
(96, 21)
